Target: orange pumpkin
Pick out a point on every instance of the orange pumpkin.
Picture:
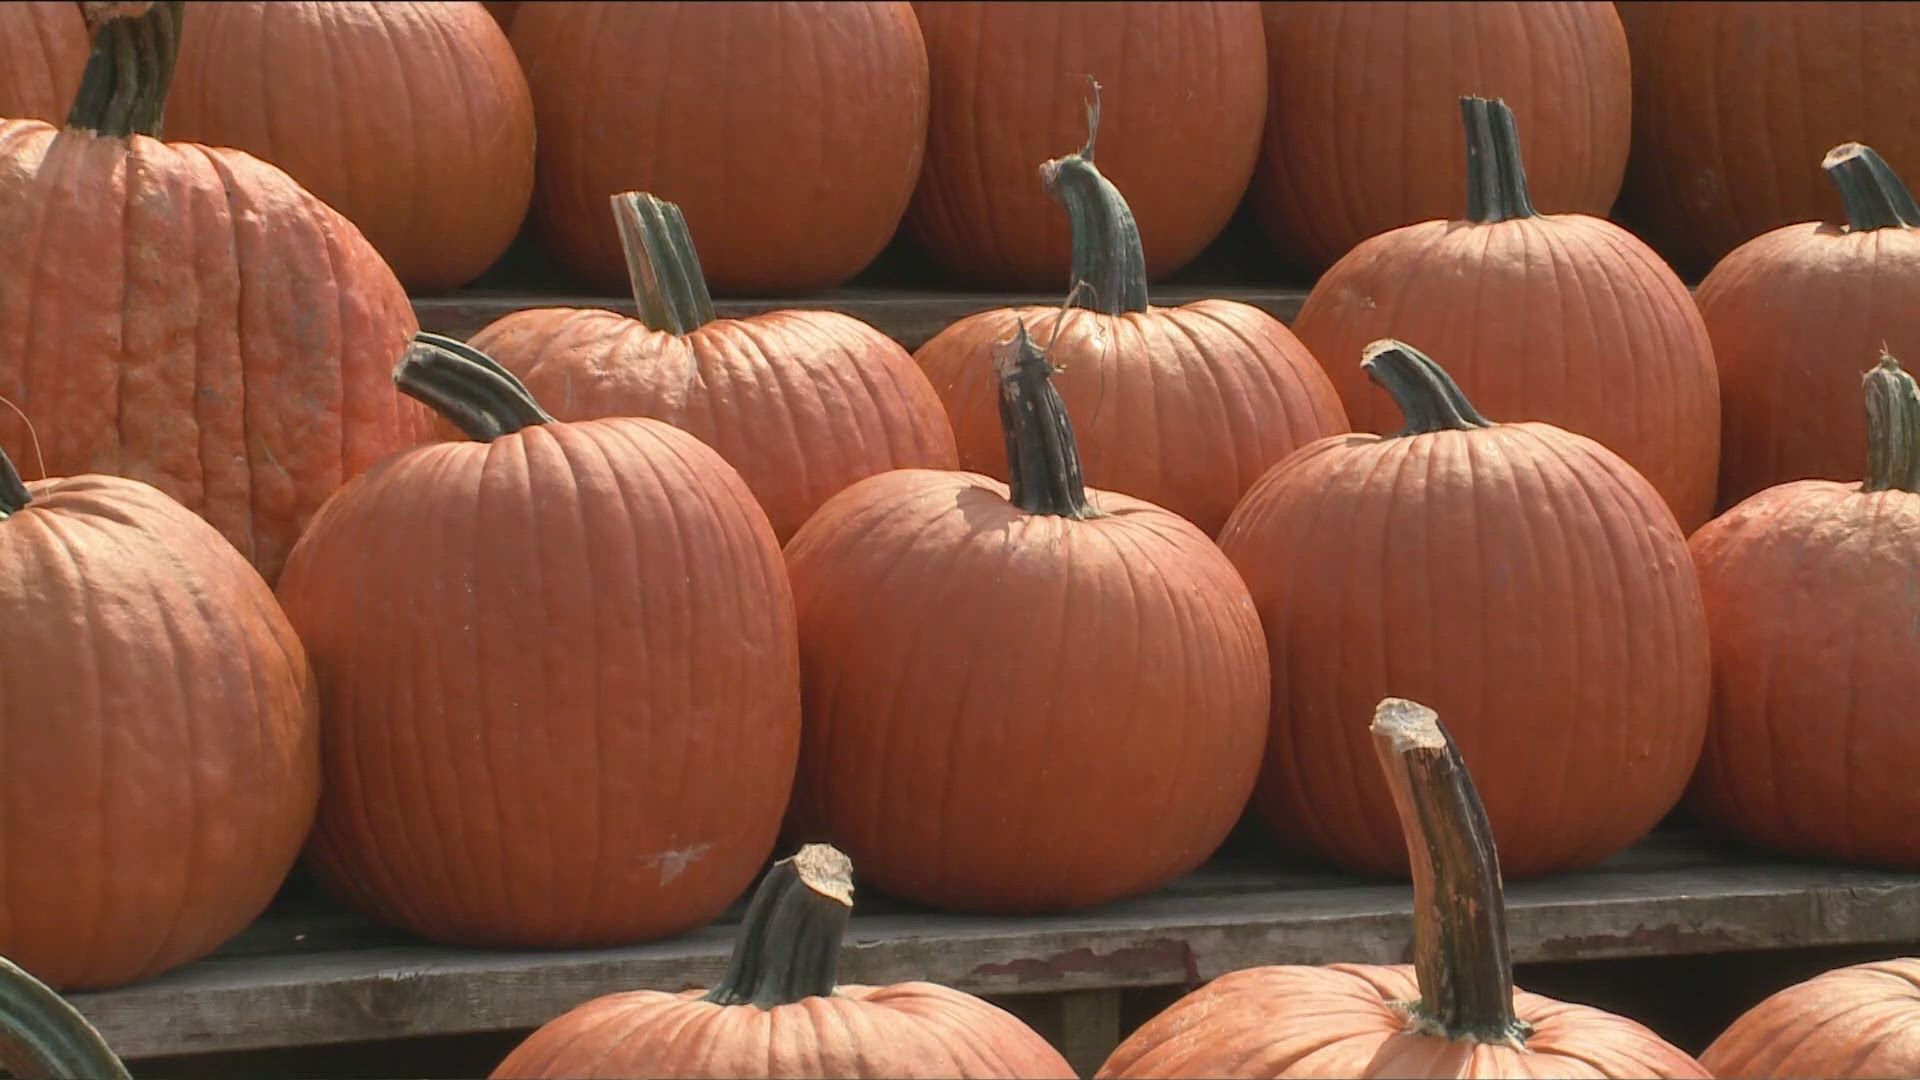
(1454, 1012)
(558, 670)
(780, 1012)
(1860, 1022)
(43, 46)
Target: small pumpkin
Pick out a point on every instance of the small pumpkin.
(1055, 696)
(42, 1037)
(780, 1011)
(803, 403)
(1454, 1012)
(1184, 407)
(43, 46)
(1526, 577)
(558, 670)
(1793, 310)
(1852, 1023)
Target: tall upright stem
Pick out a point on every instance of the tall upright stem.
(123, 90)
(789, 943)
(1106, 241)
(1496, 177)
(1043, 461)
(662, 266)
(1870, 191)
(1893, 428)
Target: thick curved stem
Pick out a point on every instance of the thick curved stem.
(14, 495)
(1893, 428)
(1107, 255)
(1496, 177)
(662, 266)
(466, 386)
(1870, 191)
(1043, 461)
(789, 943)
(123, 91)
(1460, 954)
(44, 1038)
(1427, 396)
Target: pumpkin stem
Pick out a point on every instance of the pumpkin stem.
(1428, 397)
(662, 266)
(14, 495)
(1870, 191)
(43, 1036)
(789, 943)
(467, 387)
(1496, 177)
(123, 91)
(1460, 955)
(1106, 241)
(1893, 428)
(1043, 460)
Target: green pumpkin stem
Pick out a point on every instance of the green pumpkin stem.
(1043, 460)
(789, 943)
(467, 387)
(1460, 953)
(14, 495)
(1870, 191)
(1106, 242)
(1496, 177)
(662, 266)
(44, 1038)
(123, 91)
(1427, 396)
(1893, 428)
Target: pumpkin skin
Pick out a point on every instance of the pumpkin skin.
(1853, 1023)
(43, 46)
(151, 814)
(793, 157)
(1326, 182)
(1184, 96)
(651, 708)
(193, 318)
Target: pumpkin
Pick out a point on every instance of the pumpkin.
(780, 1012)
(1732, 99)
(1851, 1023)
(1184, 407)
(1187, 92)
(42, 1037)
(1564, 318)
(158, 735)
(1519, 574)
(43, 46)
(424, 140)
(188, 315)
(1454, 1012)
(1058, 695)
(802, 403)
(1359, 108)
(790, 133)
(1793, 310)
(558, 668)
(1837, 788)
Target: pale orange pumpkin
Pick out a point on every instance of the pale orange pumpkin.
(1860, 1022)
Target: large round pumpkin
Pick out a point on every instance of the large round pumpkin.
(158, 739)
(188, 315)
(1564, 318)
(1793, 312)
(558, 671)
(1520, 575)
(1454, 1012)
(1860, 1022)
(1024, 696)
(1360, 135)
(1184, 94)
(779, 1011)
(1184, 407)
(803, 403)
(790, 133)
(43, 46)
(423, 139)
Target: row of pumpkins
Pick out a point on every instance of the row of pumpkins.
(798, 137)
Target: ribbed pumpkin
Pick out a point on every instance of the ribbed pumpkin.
(803, 403)
(1564, 318)
(1058, 695)
(790, 133)
(188, 315)
(1520, 575)
(1185, 96)
(1793, 311)
(1860, 1022)
(42, 1037)
(423, 138)
(1732, 100)
(558, 671)
(780, 1011)
(43, 46)
(1184, 407)
(1813, 702)
(1359, 112)
(158, 739)
(1454, 1012)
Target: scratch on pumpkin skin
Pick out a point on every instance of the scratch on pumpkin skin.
(674, 862)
